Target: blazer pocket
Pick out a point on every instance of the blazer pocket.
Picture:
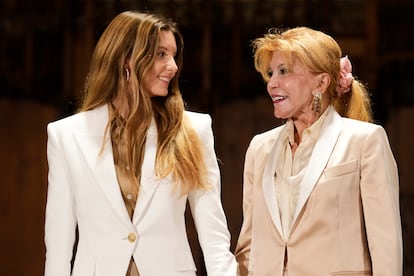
(183, 261)
(341, 169)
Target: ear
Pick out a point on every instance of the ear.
(128, 63)
(323, 80)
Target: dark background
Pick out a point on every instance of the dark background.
(45, 48)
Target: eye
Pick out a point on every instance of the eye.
(283, 71)
(269, 73)
(161, 54)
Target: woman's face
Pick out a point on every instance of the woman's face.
(156, 82)
(290, 90)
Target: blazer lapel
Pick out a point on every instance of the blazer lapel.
(268, 183)
(149, 183)
(320, 155)
(101, 164)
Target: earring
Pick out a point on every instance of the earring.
(317, 102)
(127, 74)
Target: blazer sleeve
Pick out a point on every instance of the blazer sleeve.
(60, 222)
(380, 200)
(243, 245)
(207, 210)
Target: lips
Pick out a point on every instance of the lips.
(163, 78)
(278, 99)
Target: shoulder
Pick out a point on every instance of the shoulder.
(360, 127)
(199, 121)
(80, 121)
(263, 142)
(66, 121)
(363, 133)
(197, 117)
(268, 135)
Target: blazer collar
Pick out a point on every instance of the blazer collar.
(101, 164)
(149, 182)
(99, 158)
(322, 150)
(268, 184)
(320, 155)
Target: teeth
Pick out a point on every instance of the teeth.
(164, 78)
(278, 98)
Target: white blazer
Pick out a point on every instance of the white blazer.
(83, 191)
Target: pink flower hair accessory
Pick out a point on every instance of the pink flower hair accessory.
(345, 76)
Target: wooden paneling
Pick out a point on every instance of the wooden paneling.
(23, 168)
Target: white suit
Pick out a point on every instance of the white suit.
(83, 191)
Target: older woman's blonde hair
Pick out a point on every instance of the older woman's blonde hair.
(320, 53)
(132, 38)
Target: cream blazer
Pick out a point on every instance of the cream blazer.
(83, 192)
(347, 220)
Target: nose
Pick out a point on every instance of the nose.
(272, 83)
(172, 65)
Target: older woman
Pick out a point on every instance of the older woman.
(321, 193)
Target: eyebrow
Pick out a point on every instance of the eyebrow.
(277, 65)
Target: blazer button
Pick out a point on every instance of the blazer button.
(132, 237)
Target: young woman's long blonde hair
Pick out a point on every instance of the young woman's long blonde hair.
(134, 36)
(320, 53)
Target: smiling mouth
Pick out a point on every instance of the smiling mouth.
(166, 79)
(278, 99)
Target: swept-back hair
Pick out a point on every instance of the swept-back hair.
(320, 53)
(132, 38)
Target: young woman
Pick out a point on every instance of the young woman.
(122, 169)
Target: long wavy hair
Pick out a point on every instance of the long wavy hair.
(134, 37)
(320, 53)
